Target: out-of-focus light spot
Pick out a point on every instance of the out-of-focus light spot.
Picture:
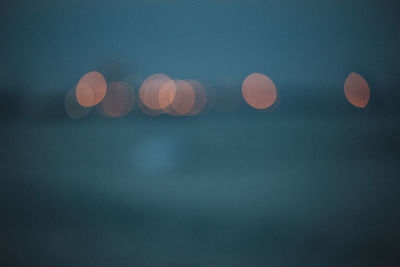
(167, 94)
(356, 90)
(259, 91)
(184, 99)
(150, 89)
(72, 107)
(200, 97)
(118, 101)
(91, 89)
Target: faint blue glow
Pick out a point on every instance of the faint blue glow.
(156, 155)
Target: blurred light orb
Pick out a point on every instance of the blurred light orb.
(356, 90)
(73, 109)
(166, 95)
(119, 100)
(184, 99)
(149, 91)
(91, 89)
(259, 91)
(200, 97)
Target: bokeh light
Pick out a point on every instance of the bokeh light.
(200, 97)
(184, 99)
(91, 89)
(259, 91)
(73, 109)
(167, 94)
(119, 100)
(150, 89)
(356, 90)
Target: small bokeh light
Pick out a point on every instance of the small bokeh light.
(356, 90)
(91, 89)
(259, 91)
(167, 94)
(150, 89)
(184, 99)
(118, 101)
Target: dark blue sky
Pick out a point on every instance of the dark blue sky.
(49, 46)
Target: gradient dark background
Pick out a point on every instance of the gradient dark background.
(313, 181)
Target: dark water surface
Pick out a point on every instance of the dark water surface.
(208, 191)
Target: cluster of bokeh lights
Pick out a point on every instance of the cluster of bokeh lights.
(175, 97)
(160, 94)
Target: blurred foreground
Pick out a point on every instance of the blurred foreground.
(207, 191)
